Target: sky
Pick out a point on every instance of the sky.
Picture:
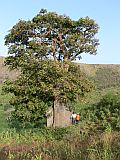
(105, 12)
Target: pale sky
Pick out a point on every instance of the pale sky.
(105, 12)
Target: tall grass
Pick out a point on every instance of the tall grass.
(3, 122)
(42, 145)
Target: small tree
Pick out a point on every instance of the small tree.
(108, 110)
(43, 50)
(105, 114)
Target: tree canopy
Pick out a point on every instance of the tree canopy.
(51, 36)
(43, 50)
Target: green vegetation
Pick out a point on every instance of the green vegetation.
(43, 50)
(4, 103)
(59, 144)
(88, 140)
(3, 121)
(104, 114)
(108, 76)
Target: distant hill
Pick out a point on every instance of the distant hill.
(5, 73)
(103, 75)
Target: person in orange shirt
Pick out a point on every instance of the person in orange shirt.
(77, 118)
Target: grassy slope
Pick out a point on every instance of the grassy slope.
(103, 75)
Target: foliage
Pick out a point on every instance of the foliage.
(51, 36)
(3, 121)
(106, 113)
(29, 145)
(43, 50)
(34, 94)
(4, 98)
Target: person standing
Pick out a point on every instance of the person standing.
(77, 118)
(73, 116)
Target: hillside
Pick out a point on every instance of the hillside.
(103, 75)
(5, 73)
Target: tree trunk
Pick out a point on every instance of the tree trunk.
(61, 115)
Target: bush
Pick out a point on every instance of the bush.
(106, 113)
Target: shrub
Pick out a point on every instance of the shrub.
(105, 113)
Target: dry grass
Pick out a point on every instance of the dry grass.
(105, 146)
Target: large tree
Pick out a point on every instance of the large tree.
(43, 50)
